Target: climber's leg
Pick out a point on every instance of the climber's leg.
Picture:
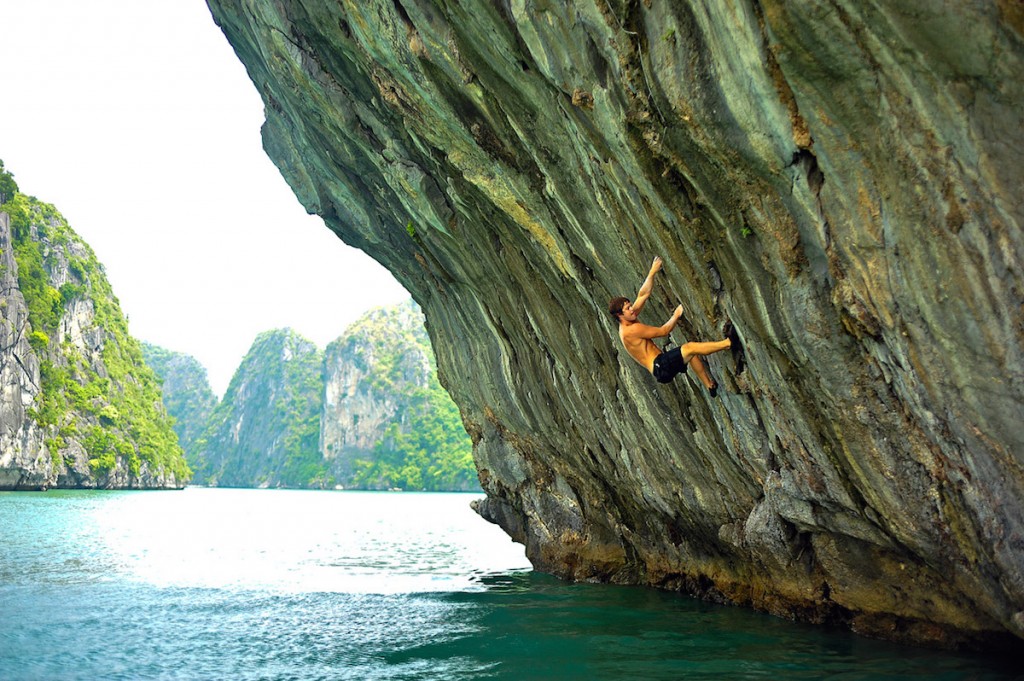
(692, 353)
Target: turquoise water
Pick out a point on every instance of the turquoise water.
(266, 584)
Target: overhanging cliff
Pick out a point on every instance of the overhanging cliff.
(841, 179)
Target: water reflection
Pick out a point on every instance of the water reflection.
(584, 631)
(260, 539)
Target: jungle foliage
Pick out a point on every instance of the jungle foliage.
(108, 400)
(267, 429)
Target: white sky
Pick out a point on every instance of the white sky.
(136, 120)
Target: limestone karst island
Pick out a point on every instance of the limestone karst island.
(78, 407)
(86, 405)
(839, 180)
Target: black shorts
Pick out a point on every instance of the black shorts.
(668, 365)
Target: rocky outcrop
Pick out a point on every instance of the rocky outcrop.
(386, 420)
(360, 394)
(186, 392)
(367, 371)
(78, 406)
(840, 179)
(264, 432)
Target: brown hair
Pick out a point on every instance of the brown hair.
(615, 306)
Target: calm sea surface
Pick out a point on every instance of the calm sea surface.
(262, 584)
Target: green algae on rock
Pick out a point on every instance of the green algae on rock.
(841, 180)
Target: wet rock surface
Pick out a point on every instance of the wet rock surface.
(842, 181)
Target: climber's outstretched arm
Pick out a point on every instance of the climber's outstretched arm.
(646, 287)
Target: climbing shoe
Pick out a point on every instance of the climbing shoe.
(729, 331)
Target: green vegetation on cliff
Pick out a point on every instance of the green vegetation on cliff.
(433, 452)
(186, 392)
(265, 433)
(422, 444)
(96, 389)
(8, 187)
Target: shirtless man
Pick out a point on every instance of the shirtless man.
(637, 338)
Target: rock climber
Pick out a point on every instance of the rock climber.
(638, 339)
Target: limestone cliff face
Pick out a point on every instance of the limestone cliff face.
(381, 357)
(186, 392)
(24, 461)
(841, 179)
(78, 407)
(264, 432)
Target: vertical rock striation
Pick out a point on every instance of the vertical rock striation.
(841, 179)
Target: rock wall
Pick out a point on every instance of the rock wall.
(78, 408)
(840, 178)
(264, 432)
(367, 373)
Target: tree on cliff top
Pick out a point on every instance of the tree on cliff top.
(8, 187)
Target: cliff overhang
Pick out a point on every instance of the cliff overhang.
(839, 179)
